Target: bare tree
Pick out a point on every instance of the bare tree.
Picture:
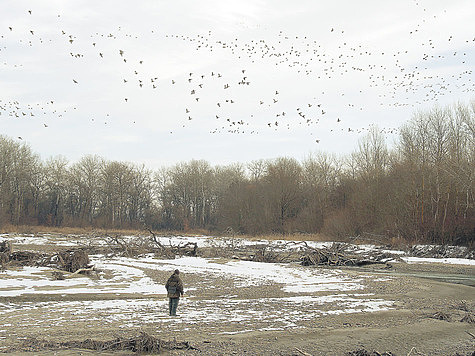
(283, 182)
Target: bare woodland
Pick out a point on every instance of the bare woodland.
(420, 190)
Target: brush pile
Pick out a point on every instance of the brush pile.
(363, 352)
(468, 318)
(134, 247)
(441, 251)
(142, 343)
(73, 261)
(340, 254)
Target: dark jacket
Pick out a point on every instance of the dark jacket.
(174, 286)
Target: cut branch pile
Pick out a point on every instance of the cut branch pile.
(143, 343)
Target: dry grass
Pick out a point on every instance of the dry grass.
(65, 230)
(290, 237)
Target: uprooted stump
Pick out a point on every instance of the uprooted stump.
(6, 247)
(72, 260)
(143, 343)
(5, 251)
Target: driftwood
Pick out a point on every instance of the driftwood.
(118, 245)
(441, 251)
(415, 352)
(59, 275)
(340, 254)
(29, 258)
(363, 352)
(302, 352)
(142, 245)
(468, 318)
(5, 251)
(440, 315)
(73, 261)
(143, 343)
(186, 249)
(6, 247)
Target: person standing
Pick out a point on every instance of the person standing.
(174, 288)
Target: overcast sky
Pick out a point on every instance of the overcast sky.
(159, 82)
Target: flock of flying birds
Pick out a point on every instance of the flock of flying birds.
(305, 56)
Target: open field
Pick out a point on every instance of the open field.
(240, 307)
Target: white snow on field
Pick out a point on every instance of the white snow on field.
(449, 261)
(226, 242)
(126, 275)
(218, 314)
(38, 280)
(248, 273)
(311, 292)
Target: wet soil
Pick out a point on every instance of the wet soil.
(417, 293)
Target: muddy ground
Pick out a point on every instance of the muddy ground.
(407, 327)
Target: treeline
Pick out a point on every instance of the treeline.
(422, 190)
